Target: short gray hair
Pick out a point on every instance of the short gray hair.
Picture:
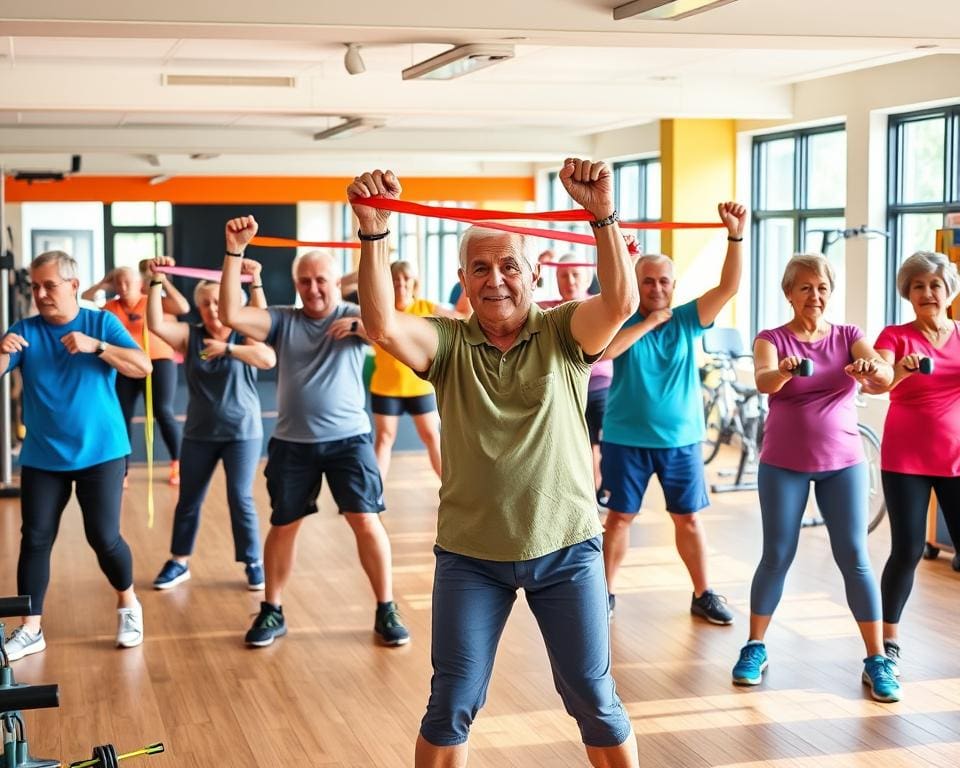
(651, 258)
(316, 256)
(572, 258)
(811, 261)
(66, 264)
(202, 286)
(925, 263)
(476, 232)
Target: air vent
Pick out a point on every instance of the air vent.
(246, 81)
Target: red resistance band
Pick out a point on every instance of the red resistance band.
(489, 219)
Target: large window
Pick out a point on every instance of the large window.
(799, 196)
(924, 185)
(637, 185)
(136, 230)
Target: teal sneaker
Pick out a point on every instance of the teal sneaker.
(750, 667)
(878, 674)
(388, 625)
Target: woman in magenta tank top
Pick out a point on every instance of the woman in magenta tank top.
(811, 368)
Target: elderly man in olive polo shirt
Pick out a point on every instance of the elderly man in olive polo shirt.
(517, 506)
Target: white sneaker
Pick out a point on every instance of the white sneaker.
(130, 626)
(23, 643)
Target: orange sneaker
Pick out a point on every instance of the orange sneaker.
(174, 473)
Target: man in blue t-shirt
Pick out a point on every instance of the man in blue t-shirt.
(69, 358)
(654, 418)
(322, 427)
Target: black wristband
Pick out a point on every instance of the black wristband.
(612, 218)
(231, 253)
(155, 282)
(735, 239)
(254, 287)
(372, 238)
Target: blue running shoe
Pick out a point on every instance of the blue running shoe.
(750, 667)
(171, 574)
(878, 674)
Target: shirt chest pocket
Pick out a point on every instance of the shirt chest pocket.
(538, 391)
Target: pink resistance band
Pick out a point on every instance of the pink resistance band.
(199, 274)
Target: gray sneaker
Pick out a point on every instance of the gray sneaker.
(130, 626)
(712, 607)
(22, 642)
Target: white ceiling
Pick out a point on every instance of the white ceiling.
(87, 77)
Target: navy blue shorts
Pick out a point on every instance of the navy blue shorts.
(295, 472)
(626, 471)
(567, 593)
(397, 406)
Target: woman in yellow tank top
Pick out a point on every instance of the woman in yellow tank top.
(395, 389)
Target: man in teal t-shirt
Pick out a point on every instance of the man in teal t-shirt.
(654, 418)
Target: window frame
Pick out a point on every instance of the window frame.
(896, 208)
(799, 214)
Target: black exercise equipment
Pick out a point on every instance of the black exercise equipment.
(805, 368)
(926, 365)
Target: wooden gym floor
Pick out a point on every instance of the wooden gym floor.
(327, 695)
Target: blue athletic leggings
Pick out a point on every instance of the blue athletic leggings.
(842, 498)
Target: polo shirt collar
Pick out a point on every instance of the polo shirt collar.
(474, 333)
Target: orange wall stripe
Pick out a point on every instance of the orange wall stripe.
(260, 189)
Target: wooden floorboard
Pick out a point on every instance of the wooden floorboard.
(327, 695)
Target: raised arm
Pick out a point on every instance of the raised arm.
(171, 331)
(596, 320)
(734, 216)
(874, 373)
(412, 340)
(174, 302)
(252, 321)
(105, 284)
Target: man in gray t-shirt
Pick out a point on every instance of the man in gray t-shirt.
(322, 427)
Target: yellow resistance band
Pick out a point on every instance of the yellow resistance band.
(148, 428)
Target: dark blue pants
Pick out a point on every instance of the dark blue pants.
(842, 498)
(567, 592)
(198, 459)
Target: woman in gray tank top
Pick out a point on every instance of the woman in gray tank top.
(223, 422)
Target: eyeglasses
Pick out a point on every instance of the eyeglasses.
(49, 286)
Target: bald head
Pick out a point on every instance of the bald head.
(316, 275)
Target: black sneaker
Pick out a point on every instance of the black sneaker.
(389, 626)
(268, 626)
(712, 607)
(611, 606)
(891, 649)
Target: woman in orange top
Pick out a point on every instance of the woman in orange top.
(395, 388)
(130, 306)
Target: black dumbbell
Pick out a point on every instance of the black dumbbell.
(926, 365)
(805, 368)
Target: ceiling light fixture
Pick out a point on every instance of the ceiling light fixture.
(352, 60)
(459, 61)
(350, 126)
(667, 10)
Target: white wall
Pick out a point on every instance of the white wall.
(62, 216)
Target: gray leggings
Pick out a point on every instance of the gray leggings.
(842, 498)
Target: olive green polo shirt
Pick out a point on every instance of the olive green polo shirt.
(517, 465)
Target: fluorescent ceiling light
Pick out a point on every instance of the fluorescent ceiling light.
(350, 126)
(458, 61)
(672, 10)
(261, 81)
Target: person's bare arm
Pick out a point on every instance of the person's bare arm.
(251, 352)
(709, 305)
(132, 362)
(105, 284)
(173, 332)
(904, 368)
(174, 302)
(252, 321)
(627, 337)
(412, 340)
(771, 373)
(872, 372)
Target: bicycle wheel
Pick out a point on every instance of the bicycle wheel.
(877, 504)
(713, 417)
